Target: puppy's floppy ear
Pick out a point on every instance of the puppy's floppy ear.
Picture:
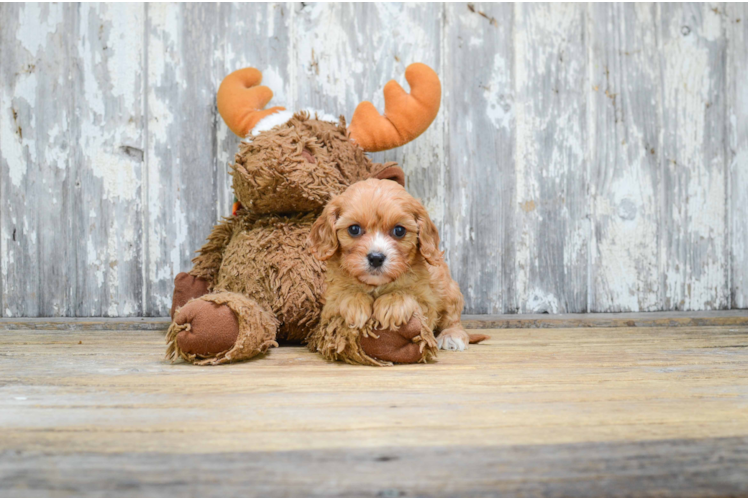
(389, 171)
(323, 238)
(428, 237)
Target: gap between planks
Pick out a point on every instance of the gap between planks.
(666, 319)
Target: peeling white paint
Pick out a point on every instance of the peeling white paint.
(560, 226)
(712, 27)
(475, 41)
(624, 272)
(122, 35)
(272, 79)
(125, 40)
(12, 150)
(543, 31)
(540, 302)
(499, 107)
(693, 165)
(117, 172)
(163, 39)
(45, 20)
(327, 52)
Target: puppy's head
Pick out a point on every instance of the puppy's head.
(378, 230)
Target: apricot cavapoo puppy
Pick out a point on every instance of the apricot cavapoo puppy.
(384, 271)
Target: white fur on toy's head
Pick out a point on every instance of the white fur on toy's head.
(281, 117)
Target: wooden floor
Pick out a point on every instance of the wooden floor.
(532, 412)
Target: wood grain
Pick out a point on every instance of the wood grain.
(673, 468)
(624, 169)
(641, 410)
(39, 182)
(694, 252)
(551, 224)
(108, 152)
(181, 183)
(586, 158)
(480, 162)
(736, 21)
(669, 319)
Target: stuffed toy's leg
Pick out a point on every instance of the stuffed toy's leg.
(220, 328)
(187, 287)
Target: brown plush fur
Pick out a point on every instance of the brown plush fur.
(257, 328)
(273, 172)
(266, 258)
(256, 263)
(413, 281)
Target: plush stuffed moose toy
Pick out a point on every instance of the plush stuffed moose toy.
(255, 281)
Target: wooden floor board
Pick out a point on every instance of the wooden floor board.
(663, 319)
(561, 411)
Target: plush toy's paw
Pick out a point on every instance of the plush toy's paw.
(453, 339)
(356, 310)
(398, 345)
(186, 288)
(212, 328)
(394, 309)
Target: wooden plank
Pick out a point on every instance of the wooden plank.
(345, 53)
(479, 83)
(669, 319)
(109, 151)
(527, 411)
(38, 181)
(624, 170)
(551, 171)
(181, 159)
(736, 21)
(693, 250)
(670, 468)
(86, 324)
(521, 387)
(573, 216)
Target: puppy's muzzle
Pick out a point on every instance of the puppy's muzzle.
(376, 259)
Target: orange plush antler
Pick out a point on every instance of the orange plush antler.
(406, 116)
(240, 100)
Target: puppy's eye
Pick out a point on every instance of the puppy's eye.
(354, 230)
(398, 231)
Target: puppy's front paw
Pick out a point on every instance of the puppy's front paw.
(356, 310)
(394, 309)
(453, 339)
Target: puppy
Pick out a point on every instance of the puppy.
(384, 264)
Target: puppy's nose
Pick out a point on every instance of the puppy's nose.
(376, 259)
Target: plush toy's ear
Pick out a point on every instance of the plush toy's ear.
(323, 238)
(241, 99)
(406, 116)
(391, 172)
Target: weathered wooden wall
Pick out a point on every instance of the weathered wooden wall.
(586, 157)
